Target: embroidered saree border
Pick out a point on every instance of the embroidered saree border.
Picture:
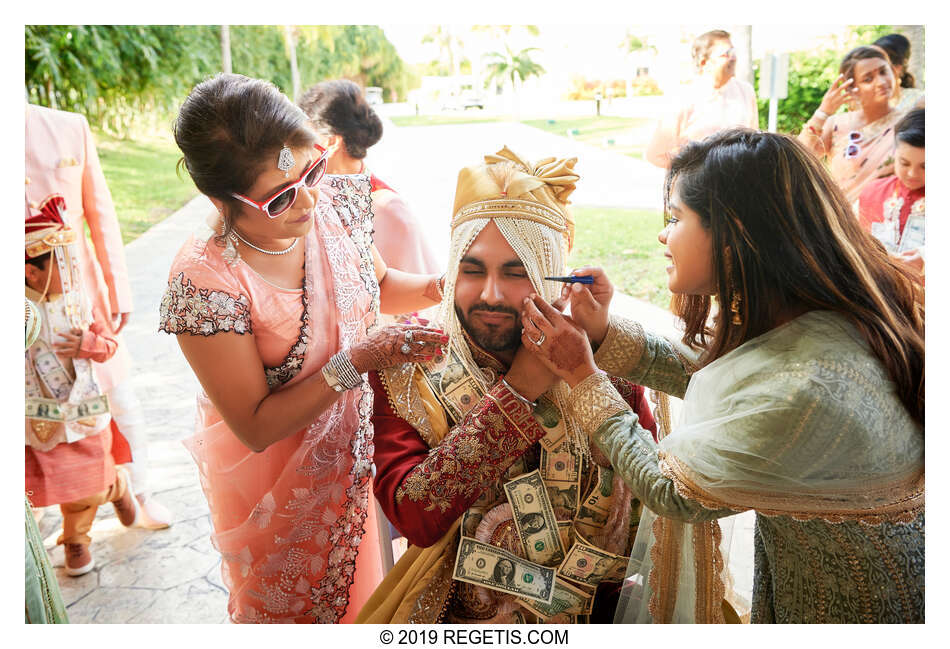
(664, 575)
(708, 566)
(904, 499)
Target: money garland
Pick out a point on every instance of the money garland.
(559, 567)
(539, 501)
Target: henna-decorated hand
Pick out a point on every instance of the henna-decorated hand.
(589, 305)
(564, 346)
(384, 347)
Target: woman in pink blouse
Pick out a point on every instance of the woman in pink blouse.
(716, 100)
(273, 311)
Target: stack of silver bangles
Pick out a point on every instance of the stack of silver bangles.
(340, 373)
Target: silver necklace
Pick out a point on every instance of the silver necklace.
(266, 252)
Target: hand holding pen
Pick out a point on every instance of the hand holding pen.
(573, 279)
(589, 292)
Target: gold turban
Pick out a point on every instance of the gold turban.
(507, 185)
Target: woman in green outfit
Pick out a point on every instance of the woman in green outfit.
(804, 403)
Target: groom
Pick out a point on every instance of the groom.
(476, 463)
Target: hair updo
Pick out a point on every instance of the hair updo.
(339, 107)
(898, 50)
(229, 129)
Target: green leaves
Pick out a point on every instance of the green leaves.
(127, 76)
(810, 74)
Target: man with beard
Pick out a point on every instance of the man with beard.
(453, 433)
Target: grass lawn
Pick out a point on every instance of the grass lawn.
(142, 179)
(623, 242)
(610, 133)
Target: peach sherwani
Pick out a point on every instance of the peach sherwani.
(61, 158)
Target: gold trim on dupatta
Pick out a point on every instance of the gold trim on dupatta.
(903, 498)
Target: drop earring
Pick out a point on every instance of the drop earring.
(734, 306)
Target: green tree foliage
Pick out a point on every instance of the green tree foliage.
(810, 74)
(127, 76)
(513, 66)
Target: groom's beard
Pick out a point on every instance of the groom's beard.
(492, 338)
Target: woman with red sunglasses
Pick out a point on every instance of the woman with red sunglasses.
(273, 311)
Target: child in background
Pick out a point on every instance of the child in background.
(69, 454)
(892, 208)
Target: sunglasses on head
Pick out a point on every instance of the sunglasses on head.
(285, 198)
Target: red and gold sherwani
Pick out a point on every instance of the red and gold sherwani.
(425, 482)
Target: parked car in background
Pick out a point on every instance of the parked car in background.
(467, 99)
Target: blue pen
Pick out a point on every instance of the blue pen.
(573, 279)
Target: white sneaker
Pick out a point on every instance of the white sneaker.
(79, 560)
(153, 515)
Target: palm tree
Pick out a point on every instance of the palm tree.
(513, 67)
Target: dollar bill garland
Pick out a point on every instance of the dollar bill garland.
(593, 512)
(590, 565)
(561, 469)
(551, 421)
(452, 385)
(534, 519)
(470, 520)
(51, 410)
(485, 565)
(566, 531)
(567, 598)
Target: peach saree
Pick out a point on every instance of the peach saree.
(295, 524)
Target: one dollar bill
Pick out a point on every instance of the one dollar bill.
(485, 565)
(534, 519)
(591, 565)
(551, 421)
(51, 410)
(567, 599)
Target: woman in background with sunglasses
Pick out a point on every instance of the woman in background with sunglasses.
(272, 311)
(858, 144)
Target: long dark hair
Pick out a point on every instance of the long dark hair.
(898, 51)
(785, 240)
(339, 107)
(229, 128)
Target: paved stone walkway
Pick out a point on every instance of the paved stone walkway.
(174, 575)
